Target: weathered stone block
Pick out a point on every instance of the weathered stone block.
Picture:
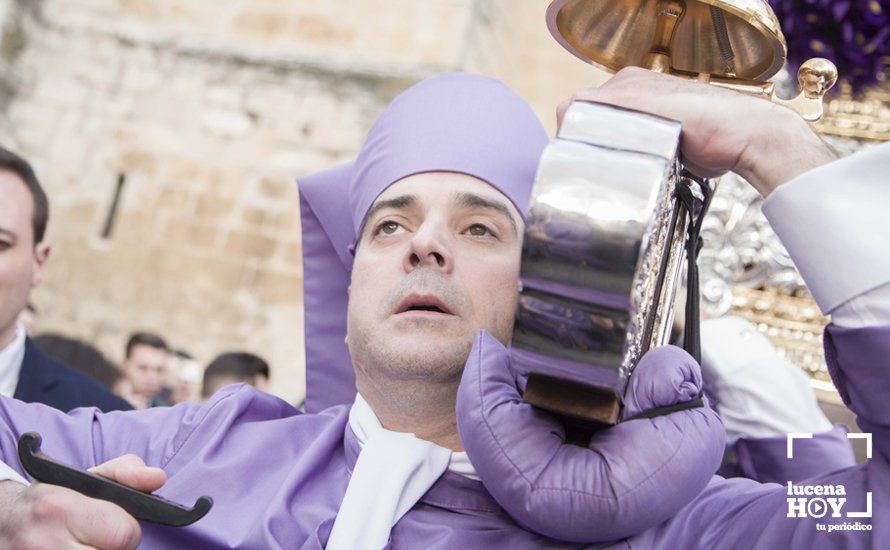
(251, 244)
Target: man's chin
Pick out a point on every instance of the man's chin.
(429, 346)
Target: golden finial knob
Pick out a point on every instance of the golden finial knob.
(816, 76)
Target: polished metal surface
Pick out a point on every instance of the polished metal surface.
(616, 34)
(729, 43)
(603, 247)
(605, 238)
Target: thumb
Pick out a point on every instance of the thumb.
(130, 470)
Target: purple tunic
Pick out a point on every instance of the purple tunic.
(277, 476)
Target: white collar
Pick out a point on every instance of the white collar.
(392, 473)
(11, 362)
(364, 422)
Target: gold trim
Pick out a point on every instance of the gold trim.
(864, 118)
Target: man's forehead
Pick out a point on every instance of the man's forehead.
(145, 352)
(457, 188)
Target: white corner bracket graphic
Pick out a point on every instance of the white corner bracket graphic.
(867, 438)
(867, 512)
(793, 436)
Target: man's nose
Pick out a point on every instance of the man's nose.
(430, 247)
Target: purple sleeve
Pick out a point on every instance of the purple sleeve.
(765, 459)
(858, 360)
(86, 437)
(742, 513)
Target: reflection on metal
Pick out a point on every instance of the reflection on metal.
(604, 239)
(602, 254)
(731, 43)
(613, 34)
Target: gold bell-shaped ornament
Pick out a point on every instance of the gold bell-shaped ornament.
(733, 43)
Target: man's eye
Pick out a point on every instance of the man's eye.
(388, 228)
(478, 230)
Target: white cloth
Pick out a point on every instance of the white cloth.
(834, 222)
(10, 366)
(393, 471)
(759, 393)
(8, 474)
(869, 309)
(11, 363)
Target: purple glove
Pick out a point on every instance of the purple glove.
(631, 477)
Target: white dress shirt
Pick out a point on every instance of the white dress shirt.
(833, 221)
(11, 363)
(10, 366)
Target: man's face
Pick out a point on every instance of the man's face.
(21, 261)
(438, 259)
(145, 369)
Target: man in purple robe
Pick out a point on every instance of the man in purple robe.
(430, 251)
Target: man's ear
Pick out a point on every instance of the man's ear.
(41, 255)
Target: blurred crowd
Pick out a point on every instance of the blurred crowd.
(153, 374)
(66, 372)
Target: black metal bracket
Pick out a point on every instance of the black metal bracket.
(142, 506)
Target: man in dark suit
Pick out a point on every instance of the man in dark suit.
(26, 373)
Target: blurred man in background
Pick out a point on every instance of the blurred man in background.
(234, 368)
(25, 372)
(143, 369)
(182, 378)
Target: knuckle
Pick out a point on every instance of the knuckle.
(124, 534)
(46, 505)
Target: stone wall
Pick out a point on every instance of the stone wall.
(194, 117)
